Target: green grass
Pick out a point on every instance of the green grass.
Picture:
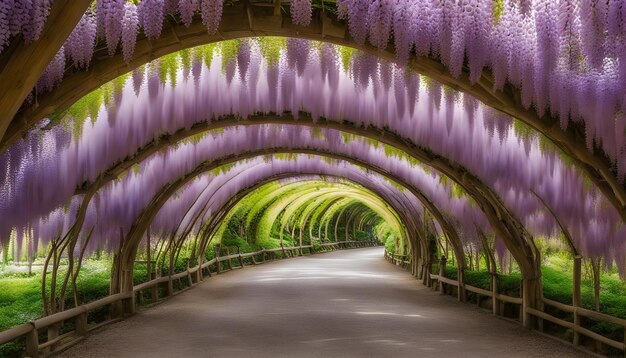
(20, 300)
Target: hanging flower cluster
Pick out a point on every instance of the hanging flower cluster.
(301, 12)
(22, 17)
(53, 74)
(567, 58)
(130, 27)
(80, 44)
(187, 9)
(151, 13)
(211, 12)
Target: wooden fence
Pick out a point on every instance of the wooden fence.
(499, 299)
(56, 343)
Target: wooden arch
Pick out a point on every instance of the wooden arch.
(417, 243)
(213, 224)
(122, 279)
(504, 222)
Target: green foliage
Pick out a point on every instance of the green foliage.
(231, 238)
(20, 300)
(390, 246)
(478, 279)
(93, 281)
(522, 130)
(346, 53)
(229, 50)
(271, 48)
(498, 11)
(361, 235)
(510, 284)
(168, 68)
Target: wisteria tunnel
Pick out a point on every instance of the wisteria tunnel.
(447, 152)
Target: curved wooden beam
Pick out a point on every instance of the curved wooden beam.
(135, 234)
(213, 224)
(22, 65)
(122, 280)
(241, 20)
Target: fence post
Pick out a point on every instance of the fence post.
(53, 332)
(229, 262)
(495, 304)
(199, 274)
(240, 259)
(460, 279)
(529, 299)
(32, 343)
(81, 324)
(576, 297)
(155, 288)
(218, 264)
(170, 285)
(442, 273)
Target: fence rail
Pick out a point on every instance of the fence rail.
(498, 298)
(398, 260)
(56, 343)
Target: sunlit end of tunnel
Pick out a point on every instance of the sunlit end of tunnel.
(291, 178)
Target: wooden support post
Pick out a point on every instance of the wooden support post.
(148, 267)
(529, 300)
(417, 266)
(429, 268)
(80, 324)
(128, 304)
(576, 297)
(53, 332)
(189, 280)
(32, 343)
(199, 273)
(148, 263)
(229, 262)
(442, 273)
(495, 304)
(218, 264)
(170, 285)
(154, 290)
(460, 279)
(240, 258)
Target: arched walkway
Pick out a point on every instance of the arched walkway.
(347, 303)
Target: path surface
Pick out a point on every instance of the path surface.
(348, 303)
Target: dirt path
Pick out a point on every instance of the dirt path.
(343, 304)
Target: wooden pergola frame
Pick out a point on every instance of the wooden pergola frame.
(250, 19)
